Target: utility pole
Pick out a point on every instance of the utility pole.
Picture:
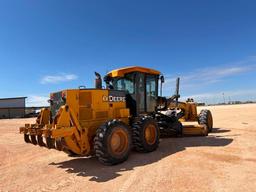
(224, 98)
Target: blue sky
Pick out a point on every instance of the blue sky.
(47, 45)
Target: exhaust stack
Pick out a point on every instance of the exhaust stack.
(98, 81)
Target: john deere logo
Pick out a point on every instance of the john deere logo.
(111, 98)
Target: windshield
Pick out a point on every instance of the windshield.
(124, 83)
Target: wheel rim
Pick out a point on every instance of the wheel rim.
(150, 134)
(119, 141)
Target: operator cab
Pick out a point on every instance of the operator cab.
(140, 85)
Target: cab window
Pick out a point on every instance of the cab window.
(124, 83)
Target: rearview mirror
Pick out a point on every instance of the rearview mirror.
(162, 79)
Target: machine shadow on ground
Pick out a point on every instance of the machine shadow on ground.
(90, 167)
(219, 130)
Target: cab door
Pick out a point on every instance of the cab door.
(151, 92)
(146, 92)
(140, 93)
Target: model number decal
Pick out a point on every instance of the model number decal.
(111, 98)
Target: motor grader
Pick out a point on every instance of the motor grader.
(108, 121)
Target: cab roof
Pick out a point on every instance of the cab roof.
(122, 71)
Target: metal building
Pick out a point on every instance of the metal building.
(12, 107)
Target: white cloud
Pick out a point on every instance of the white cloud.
(210, 75)
(232, 71)
(213, 75)
(58, 78)
(37, 101)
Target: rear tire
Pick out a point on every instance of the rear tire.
(112, 142)
(145, 135)
(205, 118)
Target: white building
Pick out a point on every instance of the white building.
(12, 107)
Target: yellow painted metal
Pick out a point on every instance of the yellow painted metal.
(189, 110)
(77, 120)
(150, 134)
(119, 141)
(189, 119)
(124, 113)
(195, 130)
(72, 145)
(63, 119)
(43, 117)
(122, 71)
(62, 132)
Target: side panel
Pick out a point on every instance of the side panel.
(95, 104)
(98, 106)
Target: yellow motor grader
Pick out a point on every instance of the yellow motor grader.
(127, 113)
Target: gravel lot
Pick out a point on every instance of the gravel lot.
(223, 161)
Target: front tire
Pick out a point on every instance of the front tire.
(205, 118)
(145, 135)
(112, 142)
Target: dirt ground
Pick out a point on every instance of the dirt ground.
(223, 161)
